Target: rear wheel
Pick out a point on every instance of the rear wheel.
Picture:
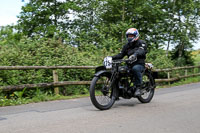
(148, 88)
(102, 93)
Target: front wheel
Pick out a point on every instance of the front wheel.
(148, 88)
(102, 92)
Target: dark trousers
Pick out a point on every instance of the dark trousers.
(137, 71)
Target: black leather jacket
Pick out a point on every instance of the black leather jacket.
(139, 48)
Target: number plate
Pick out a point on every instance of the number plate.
(108, 62)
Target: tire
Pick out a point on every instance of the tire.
(149, 85)
(100, 92)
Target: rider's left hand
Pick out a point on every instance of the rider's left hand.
(132, 58)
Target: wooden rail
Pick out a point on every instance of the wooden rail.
(56, 83)
(176, 68)
(81, 67)
(44, 67)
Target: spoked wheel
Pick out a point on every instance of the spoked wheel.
(102, 93)
(148, 88)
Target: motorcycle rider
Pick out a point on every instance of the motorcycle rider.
(135, 49)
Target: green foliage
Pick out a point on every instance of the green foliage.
(158, 58)
(45, 18)
(8, 35)
(48, 52)
(19, 94)
(97, 21)
(103, 23)
(182, 58)
(196, 57)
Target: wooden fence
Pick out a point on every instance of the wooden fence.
(56, 83)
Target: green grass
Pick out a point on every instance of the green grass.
(182, 82)
(42, 98)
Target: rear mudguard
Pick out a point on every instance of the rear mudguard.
(153, 76)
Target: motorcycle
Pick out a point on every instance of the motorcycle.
(115, 79)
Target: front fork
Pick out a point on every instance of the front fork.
(110, 84)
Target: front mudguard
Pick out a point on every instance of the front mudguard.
(99, 68)
(108, 73)
(102, 72)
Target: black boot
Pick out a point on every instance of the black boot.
(138, 91)
(131, 91)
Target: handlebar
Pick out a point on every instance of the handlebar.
(108, 62)
(120, 61)
(123, 60)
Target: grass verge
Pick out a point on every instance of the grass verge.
(181, 82)
(42, 98)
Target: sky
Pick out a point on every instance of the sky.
(10, 9)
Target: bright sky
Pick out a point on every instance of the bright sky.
(9, 9)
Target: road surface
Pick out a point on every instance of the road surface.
(172, 110)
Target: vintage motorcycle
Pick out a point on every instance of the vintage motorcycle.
(115, 79)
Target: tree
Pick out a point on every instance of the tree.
(84, 25)
(103, 22)
(146, 16)
(45, 18)
(186, 21)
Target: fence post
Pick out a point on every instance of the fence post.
(55, 79)
(186, 72)
(198, 69)
(168, 77)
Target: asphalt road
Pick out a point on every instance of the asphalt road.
(172, 110)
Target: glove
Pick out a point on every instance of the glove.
(132, 58)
